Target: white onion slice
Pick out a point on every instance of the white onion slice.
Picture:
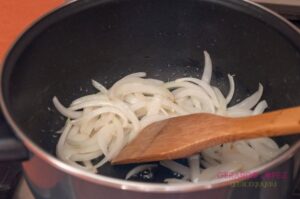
(86, 98)
(214, 171)
(139, 169)
(204, 85)
(222, 101)
(231, 89)
(92, 104)
(99, 111)
(104, 137)
(176, 167)
(138, 74)
(65, 111)
(99, 86)
(129, 88)
(194, 163)
(250, 101)
(260, 107)
(61, 142)
(207, 68)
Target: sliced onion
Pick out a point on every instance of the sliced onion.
(154, 106)
(204, 99)
(206, 87)
(194, 163)
(215, 171)
(118, 141)
(129, 88)
(207, 68)
(87, 98)
(246, 150)
(99, 86)
(250, 101)
(222, 101)
(61, 142)
(138, 74)
(64, 111)
(91, 104)
(104, 137)
(260, 107)
(236, 112)
(176, 167)
(231, 89)
(139, 169)
(97, 112)
(101, 124)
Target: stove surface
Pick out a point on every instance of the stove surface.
(23, 191)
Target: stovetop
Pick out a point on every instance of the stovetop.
(22, 191)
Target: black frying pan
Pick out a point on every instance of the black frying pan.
(106, 39)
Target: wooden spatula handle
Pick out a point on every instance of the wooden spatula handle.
(183, 136)
(277, 123)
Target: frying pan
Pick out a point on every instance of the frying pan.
(107, 39)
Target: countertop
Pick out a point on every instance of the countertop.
(17, 15)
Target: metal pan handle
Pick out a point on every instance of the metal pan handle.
(11, 148)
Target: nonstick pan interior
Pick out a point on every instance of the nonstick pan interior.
(105, 40)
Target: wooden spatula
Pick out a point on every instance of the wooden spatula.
(183, 136)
